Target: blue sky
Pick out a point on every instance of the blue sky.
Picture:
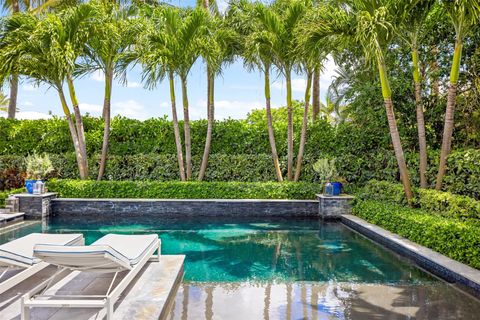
(237, 92)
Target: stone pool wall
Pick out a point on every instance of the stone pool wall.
(185, 208)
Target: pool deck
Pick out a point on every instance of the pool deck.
(149, 296)
(436, 263)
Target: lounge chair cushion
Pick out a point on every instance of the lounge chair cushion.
(110, 253)
(19, 252)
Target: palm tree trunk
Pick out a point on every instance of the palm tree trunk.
(290, 125)
(271, 134)
(73, 132)
(12, 104)
(106, 119)
(186, 128)
(422, 142)
(316, 94)
(449, 113)
(392, 125)
(210, 121)
(176, 129)
(303, 134)
(78, 122)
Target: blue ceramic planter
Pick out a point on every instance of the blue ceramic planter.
(337, 188)
(29, 185)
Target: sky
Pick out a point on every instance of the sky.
(237, 92)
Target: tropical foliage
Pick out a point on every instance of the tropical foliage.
(378, 46)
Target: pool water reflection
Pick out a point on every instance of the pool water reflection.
(284, 269)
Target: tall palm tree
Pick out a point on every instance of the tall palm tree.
(113, 33)
(368, 24)
(219, 48)
(464, 14)
(169, 46)
(257, 55)
(13, 6)
(278, 21)
(46, 50)
(412, 15)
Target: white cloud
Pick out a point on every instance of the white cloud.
(222, 5)
(27, 103)
(32, 115)
(98, 76)
(133, 84)
(130, 109)
(87, 107)
(165, 104)
(29, 88)
(298, 85)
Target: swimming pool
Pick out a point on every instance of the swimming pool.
(283, 269)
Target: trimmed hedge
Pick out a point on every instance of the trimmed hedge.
(4, 195)
(456, 239)
(183, 190)
(462, 176)
(435, 202)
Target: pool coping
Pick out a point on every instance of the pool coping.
(186, 200)
(432, 261)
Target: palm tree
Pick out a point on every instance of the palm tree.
(368, 24)
(113, 34)
(13, 6)
(412, 24)
(46, 50)
(257, 55)
(170, 45)
(464, 14)
(219, 48)
(189, 30)
(278, 22)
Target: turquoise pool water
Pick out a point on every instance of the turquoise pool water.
(283, 269)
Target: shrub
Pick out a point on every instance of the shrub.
(385, 191)
(432, 201)
(449, 205)
(183, 190)
(456, 239)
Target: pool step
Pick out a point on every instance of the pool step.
(7, 219)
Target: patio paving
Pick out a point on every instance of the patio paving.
(149, 296)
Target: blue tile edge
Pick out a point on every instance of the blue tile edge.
(431, 266)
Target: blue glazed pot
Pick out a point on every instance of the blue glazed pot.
(337, 188)
(29, 185)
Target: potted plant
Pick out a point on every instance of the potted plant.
(38, 168)
(327, 172)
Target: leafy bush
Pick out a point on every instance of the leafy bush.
(38, 167)
(456, 239)
(183, 190)
(448, 204)
(385, 191)
(432, 201)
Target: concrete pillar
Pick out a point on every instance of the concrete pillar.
(332, 207)
(35, 206)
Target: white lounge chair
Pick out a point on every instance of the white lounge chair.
(18, 254)
(112, 253)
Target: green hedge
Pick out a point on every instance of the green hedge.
(183, 190)
(432, 201)
(456, 239)
(4, 195)
(462, 175)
